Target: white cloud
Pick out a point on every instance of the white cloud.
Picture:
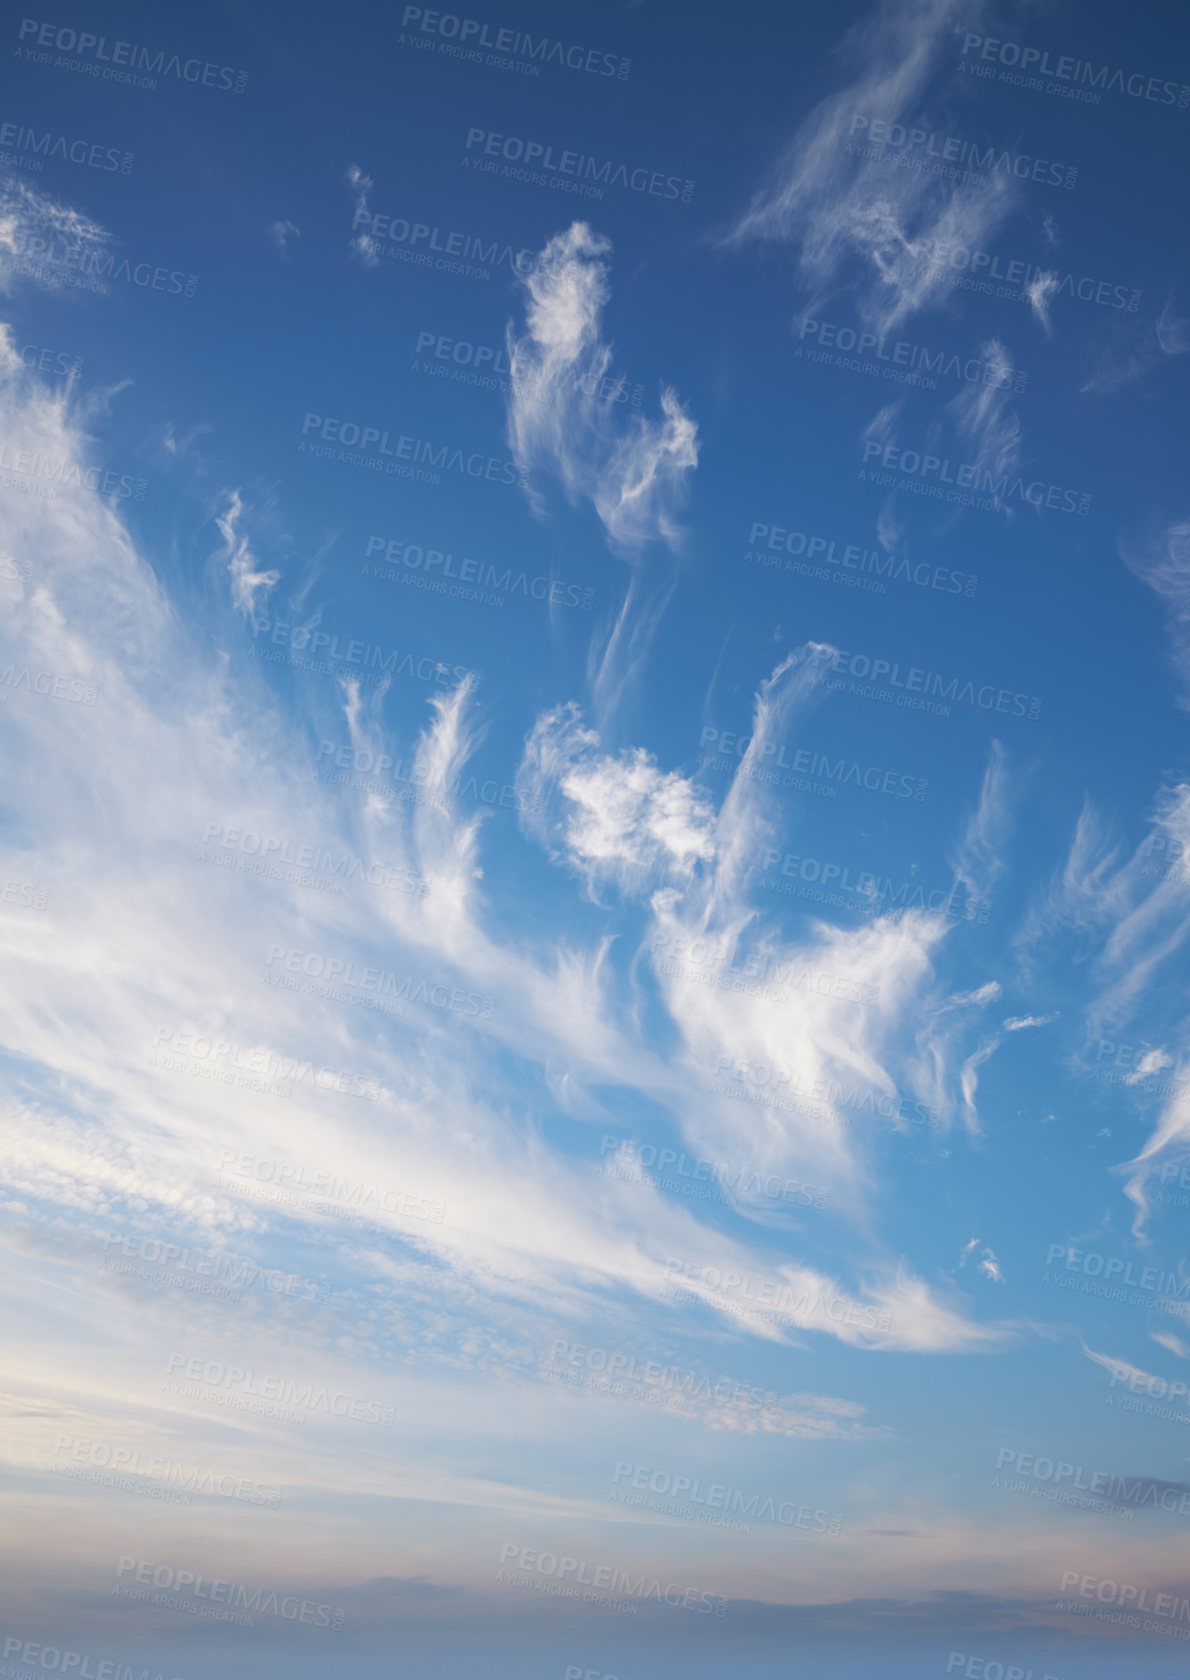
(987, 993)
(969, 1082)
(615, 817)
(1164, 564)
(145, 934)
(1150, 1063)
(977, 857)
(1136, 349)
(1172, 330)
(1018, 1023)
(1125, 918)
(1041, 291)
(984, 416)
(361, 185)
(29, 218)
(282, 232)
(843, 211)
(1119, 1368)
(249, 585)
(634, 470)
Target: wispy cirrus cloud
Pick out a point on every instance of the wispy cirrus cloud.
(1164, 564)
(985, 418)
(281, 232)
(30, 221)
(635, 471)
(250, 586)
(860, 221)
(525, 1225)
(564, 423)
(1136, 350)
(1041, 291)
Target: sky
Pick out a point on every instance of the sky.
(593, 841)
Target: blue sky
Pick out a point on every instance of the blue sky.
(594, 828)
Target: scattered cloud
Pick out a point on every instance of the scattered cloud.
(361, 185)
(282, 232)
(635, 471)
(1041, 291)
(249, 585)
(1164, 564)
(855, 219)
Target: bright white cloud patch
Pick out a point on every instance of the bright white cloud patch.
(563, 416)
(620, 818)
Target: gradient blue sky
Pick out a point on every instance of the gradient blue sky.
(483, 912)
